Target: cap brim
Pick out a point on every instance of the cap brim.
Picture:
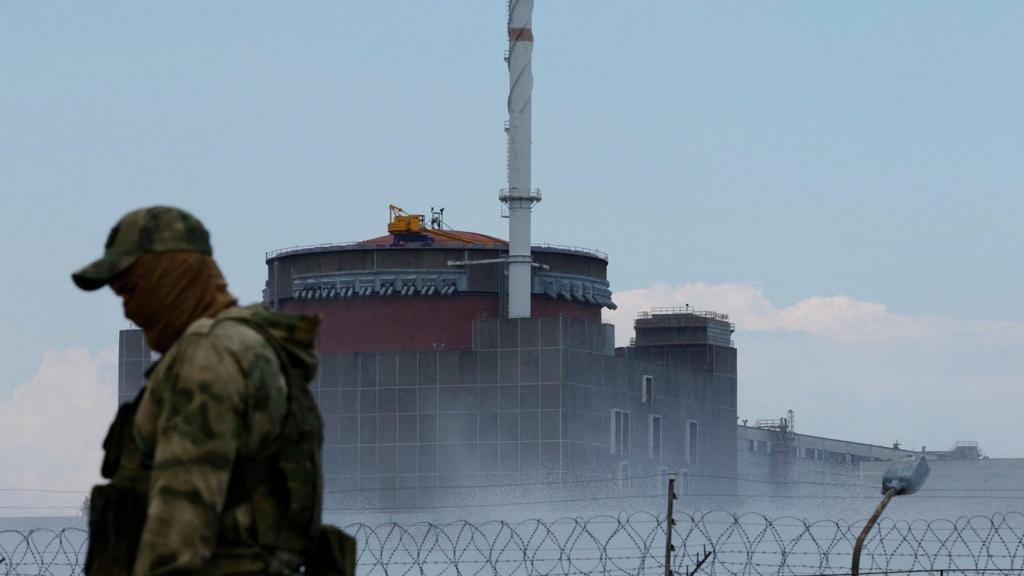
(101, 272)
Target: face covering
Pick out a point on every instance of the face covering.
(165, 292)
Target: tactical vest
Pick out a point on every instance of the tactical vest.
(279, 493)
(283, 489)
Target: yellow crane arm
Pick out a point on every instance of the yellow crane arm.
(402, 222)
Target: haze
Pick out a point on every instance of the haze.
(842, 179)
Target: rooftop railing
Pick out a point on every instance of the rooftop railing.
(309, 247)
(632, 343)
(689, 310)
(332, 245)
(576, 249)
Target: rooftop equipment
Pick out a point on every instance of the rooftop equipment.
(405, 227)
(783, 452)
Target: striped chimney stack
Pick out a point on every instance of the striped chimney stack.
(519, 197)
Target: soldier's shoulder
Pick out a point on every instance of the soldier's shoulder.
(200, 356)
(230, 330)
(209, 343)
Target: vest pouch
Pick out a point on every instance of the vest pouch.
(333, 554)
(117, 515)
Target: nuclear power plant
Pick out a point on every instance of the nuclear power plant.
(455, 359)
(452, 362)
(451, 358)
(427, 381)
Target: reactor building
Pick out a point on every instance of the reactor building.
(427, 384)
(431, 393)
(455, 366)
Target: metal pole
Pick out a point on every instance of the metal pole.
(520, 196)
(855, 568)
(669, 524)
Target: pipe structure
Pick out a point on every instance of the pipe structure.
(519, 197)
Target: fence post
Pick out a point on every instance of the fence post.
(669, 523)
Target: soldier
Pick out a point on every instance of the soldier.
(215, 467)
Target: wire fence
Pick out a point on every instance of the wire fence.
(634, 544)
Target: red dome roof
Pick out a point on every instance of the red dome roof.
(443, 239)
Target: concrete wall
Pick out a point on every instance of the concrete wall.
(531, 401)
(399, 323)
(813, 462)
(963, 477)
(133, 358)
(595, 386)
(433, 420)
(828, 477)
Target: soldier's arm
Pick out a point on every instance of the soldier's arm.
(200, 414)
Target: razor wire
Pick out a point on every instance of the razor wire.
(628, 544)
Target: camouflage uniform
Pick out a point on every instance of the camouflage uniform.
(225, 440)
(217, 403)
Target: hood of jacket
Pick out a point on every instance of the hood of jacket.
(292, 336)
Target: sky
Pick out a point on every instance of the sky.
(843, 179)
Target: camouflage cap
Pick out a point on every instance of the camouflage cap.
(153, 229)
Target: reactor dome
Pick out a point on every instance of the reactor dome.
(421, 288)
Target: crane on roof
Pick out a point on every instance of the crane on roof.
(402, 222)
(406, 227)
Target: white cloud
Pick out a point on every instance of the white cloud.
(53, 427)
(835, 316)
(858, 371)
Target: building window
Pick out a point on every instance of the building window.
(686, 481)
(647, 389)
(752, 445)
(654, 438)
(620, 432)
(836, 457)
(692, 442)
